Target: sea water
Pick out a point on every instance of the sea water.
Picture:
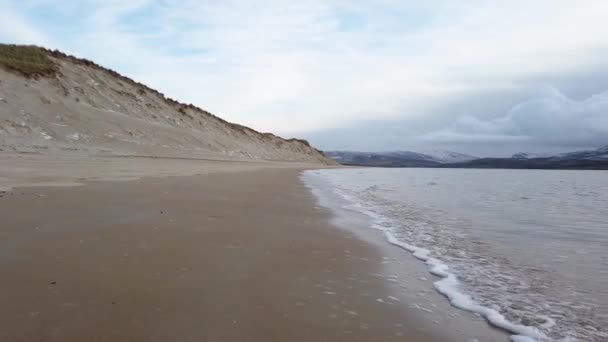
(525, 249)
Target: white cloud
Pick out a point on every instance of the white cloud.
(308, 65)
(292, 67)
(15, 28)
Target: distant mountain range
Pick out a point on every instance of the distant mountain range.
(433, 158)
(591, 159)
(599, 154)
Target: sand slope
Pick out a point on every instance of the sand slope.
(86, 108)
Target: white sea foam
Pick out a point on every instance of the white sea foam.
(449, 287)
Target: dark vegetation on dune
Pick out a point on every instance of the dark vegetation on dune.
(28, 61)
(38, 62)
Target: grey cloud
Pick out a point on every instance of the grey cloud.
(486, 124)
(549, 118)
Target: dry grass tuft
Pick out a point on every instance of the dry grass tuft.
(29, 61)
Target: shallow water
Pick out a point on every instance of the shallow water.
(529, 245)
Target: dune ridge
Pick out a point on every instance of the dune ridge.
(73, 105)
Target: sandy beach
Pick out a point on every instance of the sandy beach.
(245, 255)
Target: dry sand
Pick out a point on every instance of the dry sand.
(217, 256)
(20, 169)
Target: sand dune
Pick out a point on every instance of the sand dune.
(84, 108)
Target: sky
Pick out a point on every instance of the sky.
(479, 76)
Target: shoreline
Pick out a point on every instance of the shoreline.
(27, 170)
(408, 278)
(479, 232)
(221, 256)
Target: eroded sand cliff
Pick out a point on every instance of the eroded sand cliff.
(81, 107)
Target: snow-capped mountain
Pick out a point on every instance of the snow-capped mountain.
(580, 160)
(443, 156)
(399, 158)
(599, 154)
(594, 159)
(524, 155)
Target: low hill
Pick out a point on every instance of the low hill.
(54, 103)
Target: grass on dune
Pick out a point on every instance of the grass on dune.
(29, 61)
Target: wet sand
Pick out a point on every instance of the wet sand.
(219, 257)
